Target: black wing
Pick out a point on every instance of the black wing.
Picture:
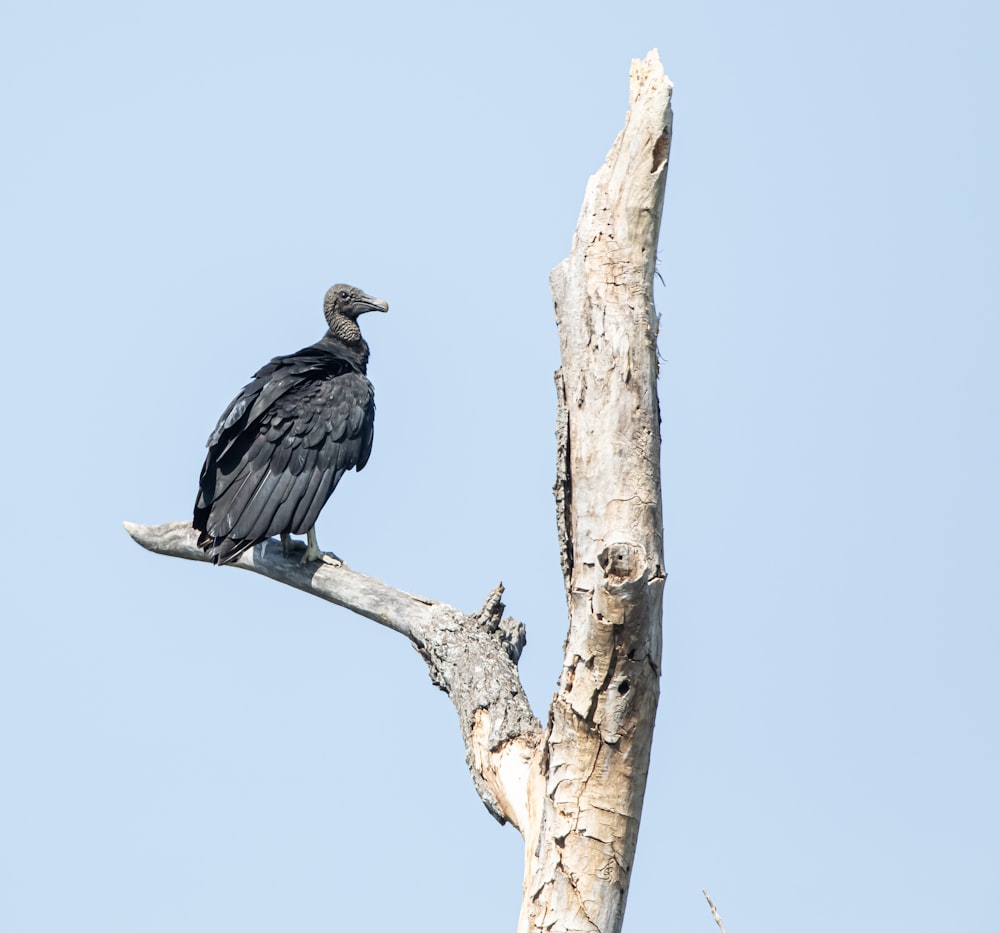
(280, 449)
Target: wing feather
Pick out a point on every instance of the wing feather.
(280, 448)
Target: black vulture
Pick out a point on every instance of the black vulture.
(284, 442)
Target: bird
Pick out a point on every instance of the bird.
(284, 443)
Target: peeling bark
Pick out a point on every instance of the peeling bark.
(574, 789)
(610, 519)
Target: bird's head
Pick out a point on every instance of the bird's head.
(344, 302)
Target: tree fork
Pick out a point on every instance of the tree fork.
(575, 788)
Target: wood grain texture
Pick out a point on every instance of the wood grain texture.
(610, 520)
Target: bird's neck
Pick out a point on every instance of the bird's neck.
(345, 329)
(355, 350)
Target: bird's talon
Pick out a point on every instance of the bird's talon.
(311, 556)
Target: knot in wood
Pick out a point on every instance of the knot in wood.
(622, 563)
(626, 575)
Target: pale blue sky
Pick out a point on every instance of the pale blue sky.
(191, 749)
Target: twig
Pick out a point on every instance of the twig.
(715, 913)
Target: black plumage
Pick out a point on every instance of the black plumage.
(285, 441)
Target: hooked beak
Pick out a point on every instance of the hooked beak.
(375, 304)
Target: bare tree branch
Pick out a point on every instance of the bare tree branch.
(472, 658)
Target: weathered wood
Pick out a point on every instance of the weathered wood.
(574, 790)
(472, 658)
(610, 518)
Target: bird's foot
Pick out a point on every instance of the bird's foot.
(311, 556)
(313, 553)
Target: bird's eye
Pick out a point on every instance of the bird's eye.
(343, 295)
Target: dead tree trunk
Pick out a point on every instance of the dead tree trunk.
(596, 752)
(574, 788)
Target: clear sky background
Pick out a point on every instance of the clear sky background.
(198, 750)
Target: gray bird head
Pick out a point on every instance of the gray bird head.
(344, 303)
